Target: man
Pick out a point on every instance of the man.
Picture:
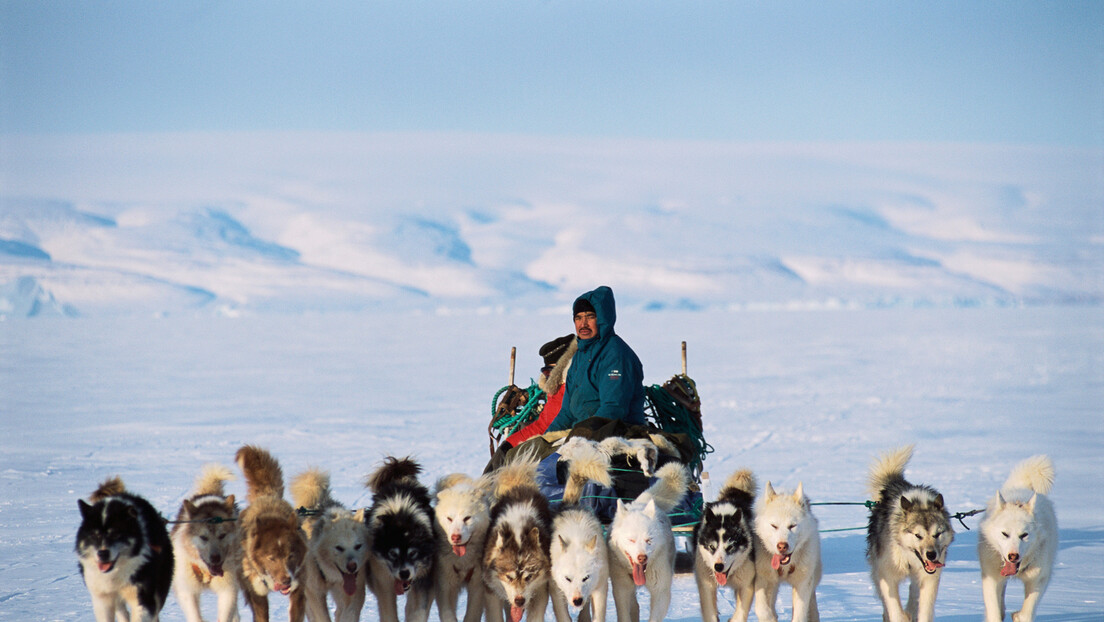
(605, 378)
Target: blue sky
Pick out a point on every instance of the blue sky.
(1008, 71)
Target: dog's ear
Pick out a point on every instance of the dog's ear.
(906, 503)
(563, 543)
(938, 501)
(768, 492)
(592, 544)
(230, 503)
(359, 515)
(650, 509)
(1031, 503)
(189, 508)
(1000, 500)
(737, 514)
(533, 536)
(85, 509)
(620, 506)
(799, 494)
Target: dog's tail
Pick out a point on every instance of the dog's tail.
(587, 463)
(521, 470)
(889, 467)
(740, 481)
(452, 479)
(670, 487)
(311, 489)
(211, 479)
(393, 470)
(263, 476)
(109, 488)
(1035, 474)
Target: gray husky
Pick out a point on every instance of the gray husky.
(908, 536)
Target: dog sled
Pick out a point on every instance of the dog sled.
(673, 429)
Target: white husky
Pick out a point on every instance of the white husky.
(337, 556)
(787, 548)
(463, 515)
(642, 546)
(580, 567)
(1019, 538)
(580, 558)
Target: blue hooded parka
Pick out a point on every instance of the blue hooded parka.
(606, 378)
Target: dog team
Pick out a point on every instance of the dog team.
(497, 538)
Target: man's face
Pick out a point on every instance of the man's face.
(586, 324)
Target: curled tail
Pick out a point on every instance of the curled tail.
(109, 488)
(669, 489)
(211, 479)
(263, 476)
(888, 467)
(587, 463)
(1035, 473)
(311, 489)
(520, 471)
(393, 470)
(743, 481)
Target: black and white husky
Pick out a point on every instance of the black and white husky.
(404, 544)
(724, 542)
(125, 554)
(907, 537)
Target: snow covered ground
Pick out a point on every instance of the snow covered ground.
(799, 395)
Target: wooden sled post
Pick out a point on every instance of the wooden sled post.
(513, 362)
(683, 358)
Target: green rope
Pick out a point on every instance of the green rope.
(671, 417)
(512, 422)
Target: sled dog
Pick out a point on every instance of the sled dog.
(580, 557)
(1018, 537)
(206, 547)
(516, 557)
(403, 552)
(463, 516)
(274, 546)
(642, 546)
(337, 543)
(907, 536)
(580, 567)
(724, 545)
(125, 554)
(787, 549)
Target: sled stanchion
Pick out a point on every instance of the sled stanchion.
(683, 358)
(513, 362)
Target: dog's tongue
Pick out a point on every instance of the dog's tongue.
(283, 589)
(106, 566)
(1009, 569)
(638, 573)
(399, 587)
(516, 613)
(216, 570)
(348, 582)
(777, 561)
(721, 577)
(931, 566)
(459, 549)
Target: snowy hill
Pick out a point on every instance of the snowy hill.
(233, 223)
